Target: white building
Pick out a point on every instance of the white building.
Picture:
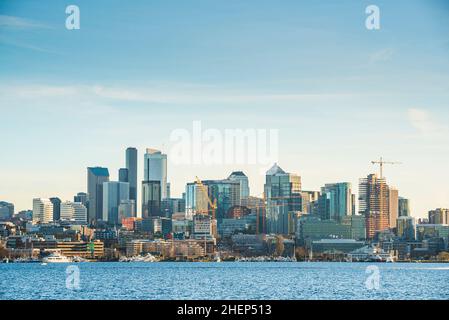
(155, 169)
(74, 211)
(42, 210)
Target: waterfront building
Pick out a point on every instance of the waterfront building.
(374, 204)
(336, 201)
(404, 207)
(394, 207)
(439, 216)
(56, 208)
(283, 200)
(429, 231)
(114, 193)
(42, 210)
(151, 199)
(406, 228)
(155, 169)
(335, 246)
(96, 176)
(244, 183)
(131, 165)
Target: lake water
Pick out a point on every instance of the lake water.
(245, 281)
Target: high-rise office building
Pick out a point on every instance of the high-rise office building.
(74, 211)
(310, 203)
(42, 211)
(114, 192)
(96, 176)
(126, 209)
(81, 197)
(225, 193)
(439, 216)
(283, 200)
(336, 201)
(131, 165)
(6, 210)
(394, 207)
(404, 207)
(170, 206)
(374, 204)
(244, 183)
(123, 175)
(155, 169)
(56, 208)
(196, 200)
(406, 228)
(151, 199)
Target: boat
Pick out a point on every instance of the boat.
(147, 258)
(56, 257)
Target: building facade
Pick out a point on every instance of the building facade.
(155, 169)
(96, 176)
(114, 193)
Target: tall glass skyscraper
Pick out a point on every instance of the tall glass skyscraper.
(96, 176)
(335, 201)
(131, 165)
(114, 193)
(155, 169)
(283, 199)
(404, 207)
(244, 183)
(151, 199)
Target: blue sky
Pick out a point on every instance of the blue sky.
(339, 94)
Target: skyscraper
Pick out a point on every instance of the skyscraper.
(284, 201)
(406, 228)
(244, 183)
(439, 216)
(394, 207)
(114, 193)
(151, 199)
(335, 201)
(155, 169)
(56, 208)
(123, 175)
(196, 200)
(226, 194)
(42, 210)
(96, 176)
(404, 207)
(131, 165)
(374, 204)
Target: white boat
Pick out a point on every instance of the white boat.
(56, 258)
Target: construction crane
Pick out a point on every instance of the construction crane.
(213, 205)
(381, 163)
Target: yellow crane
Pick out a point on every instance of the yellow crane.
(381, 163)
(212, 205)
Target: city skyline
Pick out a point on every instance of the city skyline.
(339, 94)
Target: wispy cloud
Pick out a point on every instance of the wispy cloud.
(167, 94)
(425, 123)
(20, 23)
(382, 55)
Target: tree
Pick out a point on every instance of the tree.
(443, 256)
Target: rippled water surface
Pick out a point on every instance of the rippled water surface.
(201, 281)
